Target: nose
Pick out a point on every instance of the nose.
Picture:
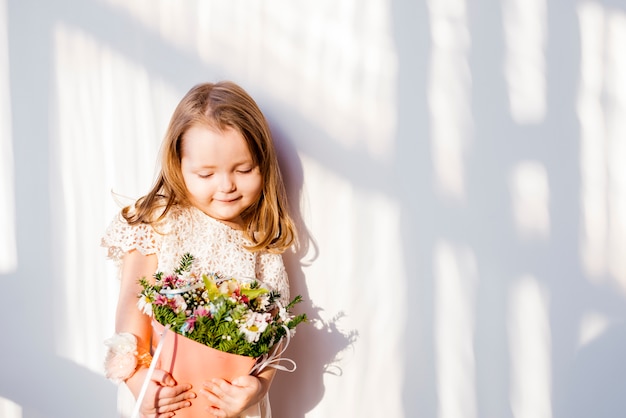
(226, 183)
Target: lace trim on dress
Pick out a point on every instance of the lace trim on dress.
(216, 247)
(120, 238)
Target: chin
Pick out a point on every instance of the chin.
(236, 219)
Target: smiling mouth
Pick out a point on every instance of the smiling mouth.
(227, 200)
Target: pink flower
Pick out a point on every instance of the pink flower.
(178, 304)
(160, 299)
(189, 325)
(201, 311)
(170, 281)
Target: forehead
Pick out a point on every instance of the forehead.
(205, 144)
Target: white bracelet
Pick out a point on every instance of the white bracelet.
(122, 357)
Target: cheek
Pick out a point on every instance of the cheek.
(189, 185)
(195, 187)
(254, 186)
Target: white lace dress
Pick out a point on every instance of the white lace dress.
(216, 247)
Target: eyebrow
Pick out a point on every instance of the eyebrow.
(205, 166)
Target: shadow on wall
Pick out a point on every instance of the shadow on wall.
(31, 375)
(41, 383)
(30, 372)
(421, 215)
(585, 383)
(596, 387)
(318, 342)
(45, 385)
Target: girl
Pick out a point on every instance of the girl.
(219, 196)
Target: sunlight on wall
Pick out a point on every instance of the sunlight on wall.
(456, 279)
(530, 349)
(359, 273)
(449, 92)
(8, 251)
(525, 33)
(615, 97)
(593, 153)
(9, 409)
(334, 76)
(592, 325)
(340, 76)
(530, 195)
(107, 139)
(602, 114)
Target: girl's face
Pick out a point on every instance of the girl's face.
(220, 175)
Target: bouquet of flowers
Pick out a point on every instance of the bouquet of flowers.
(233, 315)
(220, 327)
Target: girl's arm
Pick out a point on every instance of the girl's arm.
(164, 395)
(128, 317)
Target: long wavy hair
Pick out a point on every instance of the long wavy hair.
(267, 223)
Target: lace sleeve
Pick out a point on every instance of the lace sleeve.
(272, 272)
(120, 237)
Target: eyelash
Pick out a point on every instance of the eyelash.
(205, 176)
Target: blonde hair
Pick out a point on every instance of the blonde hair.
(267, 223)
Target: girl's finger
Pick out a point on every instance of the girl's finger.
(162, 377)
(174, 396)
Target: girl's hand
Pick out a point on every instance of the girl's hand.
(163, 395)
(229, 400)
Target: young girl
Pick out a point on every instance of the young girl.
(219, 196)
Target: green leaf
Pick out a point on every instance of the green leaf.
(211, 287)
(254, 293)
(185, 263)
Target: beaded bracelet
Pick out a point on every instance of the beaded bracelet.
(122, 358)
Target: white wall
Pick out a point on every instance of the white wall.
(457, 168)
